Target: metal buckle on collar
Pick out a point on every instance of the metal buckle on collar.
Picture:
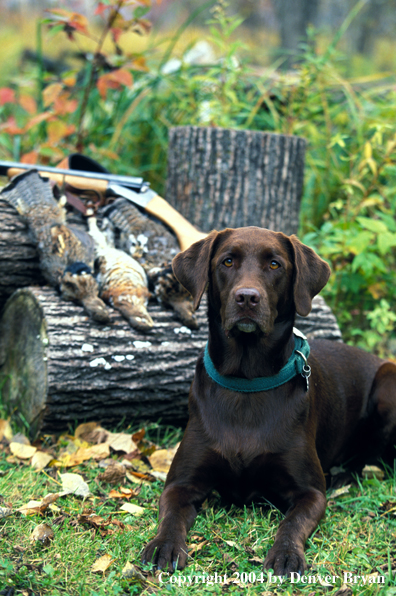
(306, 370)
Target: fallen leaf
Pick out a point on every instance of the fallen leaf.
(134, 509)
(102, 564)
(5, 512)
(130, 571)
(5, 430)
(122, 442)
(113, 474)
(339, 491)
(40, 460)
(161, 459)
(136, 479)
(34, 507)
(88, 427)
(22, 451)
(373, 472)
(194, 548)
(121, 494)
(159, 475)
(74, 484)
(20, 438)
(42, 533)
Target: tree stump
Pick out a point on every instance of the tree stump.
(219, 178)
(58, 366)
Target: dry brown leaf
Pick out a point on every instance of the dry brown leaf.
(138, 436)
(42, 533)
(113, 474)
(136, 479)
(194, 548)
(22, 451)
(123, 493)
(5, 430)
(161, 460)
(40, 460)
(134, 509)
(88, 427)
(102, 564)
(34, 507)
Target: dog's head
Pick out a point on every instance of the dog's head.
(255, 277)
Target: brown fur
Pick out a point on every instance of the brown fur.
(276, 444)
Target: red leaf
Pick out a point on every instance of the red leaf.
(7, 95)
(101, 8)
(114, 80)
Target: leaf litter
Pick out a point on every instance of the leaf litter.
(120, 459)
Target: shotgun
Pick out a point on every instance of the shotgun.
(133, 189)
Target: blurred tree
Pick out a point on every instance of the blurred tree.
(294, 16)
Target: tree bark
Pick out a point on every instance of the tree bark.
(19, 263)
(220, 178)
(59, 366)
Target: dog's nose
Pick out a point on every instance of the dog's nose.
(247, 297)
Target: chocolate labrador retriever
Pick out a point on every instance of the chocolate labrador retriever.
(265, 419)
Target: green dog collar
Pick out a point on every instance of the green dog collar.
(296, 365)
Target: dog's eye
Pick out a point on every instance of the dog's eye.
(274, 265)
(228, 262)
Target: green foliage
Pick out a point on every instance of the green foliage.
(121, 116)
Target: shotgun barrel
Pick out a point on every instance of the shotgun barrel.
(135, 183)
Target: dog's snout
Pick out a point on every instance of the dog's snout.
(247, 297)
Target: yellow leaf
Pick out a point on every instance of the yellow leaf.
(122, 442)
(161, 460)
(40, 460)
(22, 451)
(5, 430)
(102, 564)
(133, 509)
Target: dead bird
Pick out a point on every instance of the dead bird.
(122, 280)
(66, 254)
(150, 242)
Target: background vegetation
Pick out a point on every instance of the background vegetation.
(112, 90)
(118, 103)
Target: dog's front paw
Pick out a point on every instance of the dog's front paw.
(166, 553)
(285, 559)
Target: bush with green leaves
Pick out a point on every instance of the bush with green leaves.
(348, 206)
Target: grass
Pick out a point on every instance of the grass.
(358, 536)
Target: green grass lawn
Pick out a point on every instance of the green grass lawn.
(357, 537)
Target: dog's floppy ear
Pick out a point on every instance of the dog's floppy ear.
(191, 267)
(311, 275)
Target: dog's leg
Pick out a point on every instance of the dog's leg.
(177, 512)
(287, 553)
(189, 481)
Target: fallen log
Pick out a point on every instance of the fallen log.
(19, 262)
(58, 366)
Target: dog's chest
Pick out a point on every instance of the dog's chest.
(251, 427)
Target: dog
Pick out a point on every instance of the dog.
(265, 419)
